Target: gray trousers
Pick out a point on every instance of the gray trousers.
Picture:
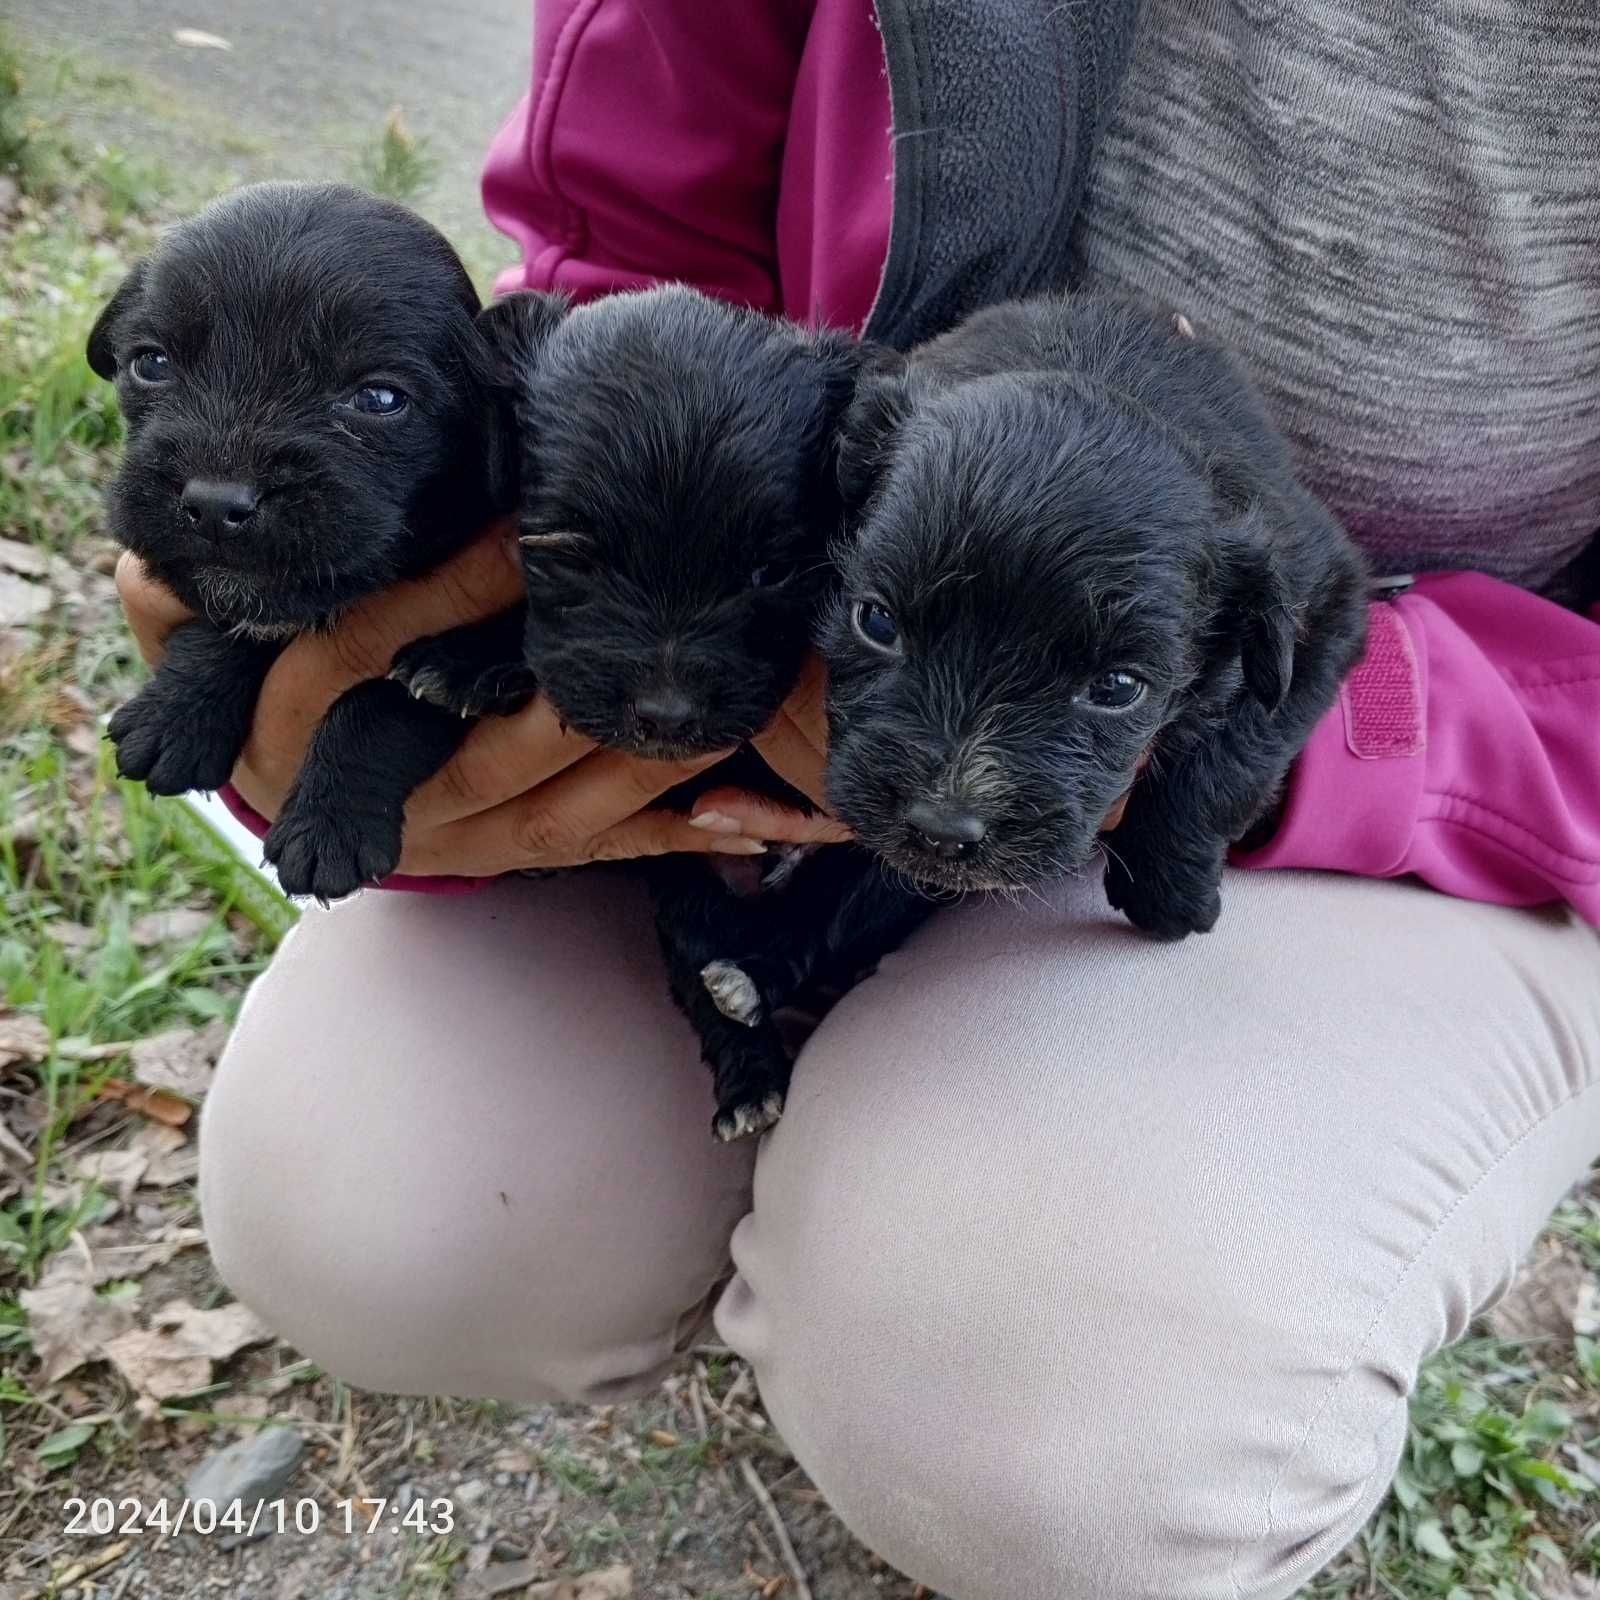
(1079, 1266)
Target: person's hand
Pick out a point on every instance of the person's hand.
(521, 792)
(795, 746)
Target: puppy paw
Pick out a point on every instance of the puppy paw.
(171, 747)
(328, 854)
(736, 996)
(430, 670)
(1161, 905)
(745, 1121)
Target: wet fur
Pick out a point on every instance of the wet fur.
(273, 305)
(1062, 487)
(678, 496)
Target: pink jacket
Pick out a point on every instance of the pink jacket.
(757, 162)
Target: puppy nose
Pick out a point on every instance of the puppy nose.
(217, 508)
(664, 710)
(944, 830)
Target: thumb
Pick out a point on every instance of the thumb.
(739, 812)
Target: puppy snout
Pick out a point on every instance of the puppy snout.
(944, 829)
(664, 711)
(217, 509)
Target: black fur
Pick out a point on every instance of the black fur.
(678, 495)
(272, 309)
(1059, 489)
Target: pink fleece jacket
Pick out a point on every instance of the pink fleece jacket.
(659, 143)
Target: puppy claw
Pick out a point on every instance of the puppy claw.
(743, 1122)
(736, 996)
(326, 859)
(169, 749)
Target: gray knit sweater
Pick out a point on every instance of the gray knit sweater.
(1391, 208)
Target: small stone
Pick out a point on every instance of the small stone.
(20, 600)
(471, 1492)
(27, 559)
(255, 1468)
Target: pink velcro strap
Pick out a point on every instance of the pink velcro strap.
(1382, 698)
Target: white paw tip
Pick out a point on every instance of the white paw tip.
(746, 1121)
(736, 997)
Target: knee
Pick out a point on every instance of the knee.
(1065, 1435)
(394, 1279)
(1024, 1350)
(422, 1209)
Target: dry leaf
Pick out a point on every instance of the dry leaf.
(180, 926)
(218, 1334)
(22, 1038)
(199, 39)
(69, 1322)
(158, 1365)
(1568, 1585)
(169, 1156)
(71, 936)
(1554, 1297)
(13, 1152)
(180, 1061)
(609, 1583)
(117, 1171)
(156, 1104)
(122, 1253)
(174, 1355)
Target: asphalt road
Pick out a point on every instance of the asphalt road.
(306, 84)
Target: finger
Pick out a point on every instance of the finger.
(559, 822)
(501, 758)
(152, 609)
(786, 748)
(731, 812)
(461, 850)
(807, 703)
(318, 667)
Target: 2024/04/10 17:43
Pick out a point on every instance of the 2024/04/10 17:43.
(102, 1517)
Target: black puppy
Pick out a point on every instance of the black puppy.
(1081, 552)
(678, 495)
(310, 416)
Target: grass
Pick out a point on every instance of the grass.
(399, 165)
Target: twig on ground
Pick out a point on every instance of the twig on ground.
(802, 1589)
(79, 1570)
(696, 1404)
(761, 1542)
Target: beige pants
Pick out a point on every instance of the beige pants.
(1079, 1266)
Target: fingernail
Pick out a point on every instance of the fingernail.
(739, 847)
(715, 822)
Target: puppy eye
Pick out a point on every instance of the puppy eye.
(772, 574)
(1112, 691)
(151, 366)
(379, 400)
(875, 623)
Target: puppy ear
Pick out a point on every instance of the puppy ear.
(516, 328)
(512, 334)
(1257, 614)
(102, 336)
(881, 403)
